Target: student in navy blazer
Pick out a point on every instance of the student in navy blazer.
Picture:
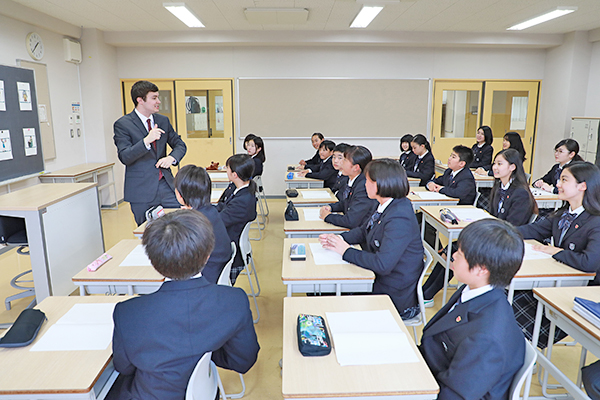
(324, 171)
(424, 165)
(457, 181)
(337, 159)
(237, 205)
(159, 338)
(315, 140)
(565, 151)
(407, 157)
(255, 147)
(392, 246)
(355, 205)
(473, 345)
(143, 151)
(482, 149)
(192, 189)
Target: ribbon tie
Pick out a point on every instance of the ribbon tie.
(565, 220)
(502, 198)
(557, 174)
(374, 218)
(346, 192)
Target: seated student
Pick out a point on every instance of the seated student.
(424, 165)
(392, 247)
(473, 345)
(192, 189)
(159, 338)
(565, 151)
(355, 205)
(315, 140)
(407, 157)
(511, 140)
(323, 171)
(482, 149)
(575, 230)
(590, 377)
(237, 205)
(337, 159)
(255, 147)
(457, 181)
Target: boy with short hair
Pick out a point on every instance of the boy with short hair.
(457, 181)
(323, 171)
(159, 338)
(337, 159)
(473, 345)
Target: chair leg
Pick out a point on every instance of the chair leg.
(252, 292)
(27, 291)
(253, 271)
(415, 332)
(240, 394)
(264, 196)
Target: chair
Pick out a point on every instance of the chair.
(421, 318)
(524, 374)
(204, 381)
(246, 252)
(533, 218)
(263, 207)
(13, 233)
(262, 194)
(260, 226)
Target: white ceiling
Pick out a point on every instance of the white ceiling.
(486, 16)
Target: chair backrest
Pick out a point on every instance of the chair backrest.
(245, 246)
(224, 277)
(524, 372)
(203, 383)
(533, 218)
(12, 231)
(427, 264)
(259, 184)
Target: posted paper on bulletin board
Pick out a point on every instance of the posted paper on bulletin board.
(30, 142)
(24, 96)
(5, 147)
(2, 97)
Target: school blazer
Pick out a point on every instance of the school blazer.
(461, 187)
(581, 244)
(549, 177)
(314, 160)
(158, 338)
(393, 250)
(141, 174)
(341, 181)
(356, 208)
(516, 208)
(407, 160)
(222, 251)
(475, 350)
(482, 156)
(425, 169)
(258, 166)
(325, 172)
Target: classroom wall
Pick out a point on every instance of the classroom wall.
(592, 104)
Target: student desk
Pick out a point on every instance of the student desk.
(60, 375)
(64, 231)
(218, 179)
(112, 279)
(324, 378)
(558, 303)
(308, 229)
(483, 181)
(299, 182)
(417, 202)
(86, 173)
(546, 199)
(302, 201)
(307, 277)
(440, 167)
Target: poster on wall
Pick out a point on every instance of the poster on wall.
(219, 113)
(2, 98)
(5, 147)
(30, 142)
(24, 96)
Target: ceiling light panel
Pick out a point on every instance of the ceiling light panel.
(185, 15)
(559, 12)
(366, 15)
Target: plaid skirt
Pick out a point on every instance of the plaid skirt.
(525, 307)
(483, 201)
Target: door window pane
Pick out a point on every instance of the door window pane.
(509, 112)
(459, 113)
(204, 114)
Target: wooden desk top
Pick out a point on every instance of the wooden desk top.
(548, 267)
(301, 200)
(316, 377)
(562, 299)
(111, 272)
(34, 198)
(302, 225)
(26, 372)
(77, 170)
(300, 178)
(139, 231)
(539, 194)
(482, 178)
(308, 271)
(416, 199)
(434, 212)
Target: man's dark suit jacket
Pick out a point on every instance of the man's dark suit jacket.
(516, 208)
(482, 156)
(356, 208)
(393, 250)
(141, 175)
(222, 251)
(158, 338)
(549, 177)
(425, 169)
(475, 350)
(236, 211)
(461, 187)
(581, 244)
(324, 172)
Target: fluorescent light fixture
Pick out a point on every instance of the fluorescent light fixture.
(184, 14)
(559, 12)
(365, 16)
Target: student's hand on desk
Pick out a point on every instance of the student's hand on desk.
(481, 171)
(165, 162)
(303, 173)
(324, 212)
(153, 135)
(334, 242)
(302, 163)
(434, 187)
(547, 249)
(547, 188)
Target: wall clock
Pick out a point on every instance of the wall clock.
(35, 46)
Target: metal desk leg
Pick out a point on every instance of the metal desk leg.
(447, 271)
(289, 290)
(338, 289)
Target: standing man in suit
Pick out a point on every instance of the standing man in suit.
(141, 138)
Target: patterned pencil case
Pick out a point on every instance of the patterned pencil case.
(313, 339)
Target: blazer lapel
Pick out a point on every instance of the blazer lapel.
(143, 129)
(576, 225)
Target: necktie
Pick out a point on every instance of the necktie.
(346, 192)
(557, 174)
(459, 301)
(565, 223)
(416, 164)
(502, 198)
(374, 218)
(160, 174)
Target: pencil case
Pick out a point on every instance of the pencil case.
(24, 330)
(313, 339)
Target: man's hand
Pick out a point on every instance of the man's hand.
(153, 135)
(165, 162)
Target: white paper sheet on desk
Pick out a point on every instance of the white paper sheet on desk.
(215, 194)
(470, 214)
(369, 338)
(315, 194)
(218, 175)
(311, 214)
(68, 337)
(96, 313)
(531, 254)
(431, 195)
(325, 256)
(137, 258)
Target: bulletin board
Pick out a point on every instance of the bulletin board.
(20, 140)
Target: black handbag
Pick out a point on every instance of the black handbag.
(291, 214)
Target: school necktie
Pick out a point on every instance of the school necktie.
(160, 174)
(374, 218)
(346, 192)
(564, 224)
(459, 301)
(557, 174)
(502, 198)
